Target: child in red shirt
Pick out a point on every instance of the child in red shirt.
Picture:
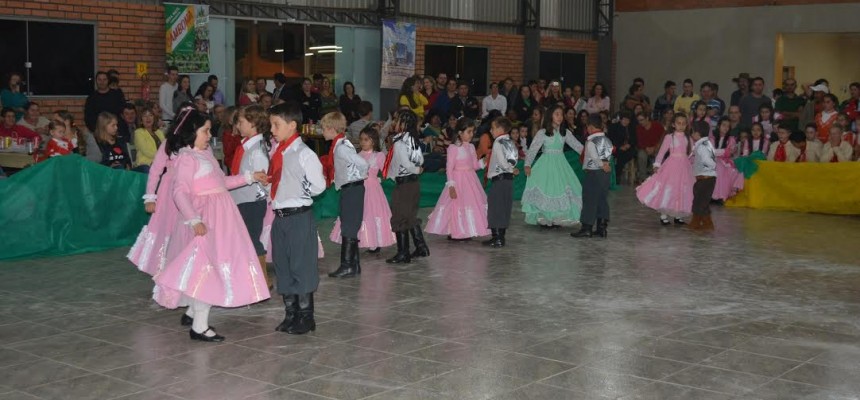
(58, 145)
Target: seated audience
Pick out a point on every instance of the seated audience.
(147, 140)
(836, 149)
(783, 150)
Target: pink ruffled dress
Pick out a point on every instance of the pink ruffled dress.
(466, 216)
(670, 190)
(149, 252)
(220, 268)
(375, 229)
(729, 180)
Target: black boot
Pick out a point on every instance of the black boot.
(421, 249)
(495, 233)
(304, 321)
(374, 251)
(357, 257)
(584, 232)
(402, 256)
(601, 228)
(348, 259)
(500, 239)
(290, 309)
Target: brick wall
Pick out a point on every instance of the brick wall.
(653, 5)
(505, 51)
(127, 33)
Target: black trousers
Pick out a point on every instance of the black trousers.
(595, 196)
(294, 253)
(404, 206)
(500, 203)
(351, 210)
(703, 189)
(253, 214)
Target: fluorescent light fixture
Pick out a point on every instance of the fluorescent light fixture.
(308, 54)
(327, 51)
(325, 47)
(279, 50)
(460, 47)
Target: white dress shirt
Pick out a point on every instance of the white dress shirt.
(254, 159)
(301, 177)
(489, 103)
(407, 159)
(705, 163)
(598, 149)
(504, 157)
(348, 165)
(165, 100)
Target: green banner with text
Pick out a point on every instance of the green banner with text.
(187, 37)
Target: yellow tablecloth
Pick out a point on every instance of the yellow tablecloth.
(828, 188)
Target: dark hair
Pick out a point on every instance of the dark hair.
(812, 125)
(688, 80)
(504, 123)
(364, 108)
(66, 116)
(112, 79)
(820, 81)
(633, 88)
(407, 121)
(348, 83)
(280, 78)
(626, 114)
(6, 110)
(594, 86)
(172, 68)
(373, 134)
(758, 78)
(129, 106)
(669, 84)
(30, 104)
(549, 129)
(99, 73)
(832, 97)
(179, 84)
(854, 84)
(721, 143)
(289, 111)
(596, 121)
(767, 106)
(53, 124)
(406, 90)
(188, 120)
(256, 115)
(638, 80)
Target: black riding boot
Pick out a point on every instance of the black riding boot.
(402, 256)
(495, 233)
(421, 249)
(348, 259)
(600, 230)
(290, 309)
(500, 238)
(584, 232)
(304, 321)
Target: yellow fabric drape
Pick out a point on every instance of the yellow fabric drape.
(828, 188)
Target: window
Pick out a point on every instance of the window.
(462, 63)
(61, 56)
(568, 68)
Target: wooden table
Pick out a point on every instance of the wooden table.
(15, 160)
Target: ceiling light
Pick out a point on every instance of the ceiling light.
(279, 50)
(308, 54)
(327, 51)
(324, 47)
(460, 47)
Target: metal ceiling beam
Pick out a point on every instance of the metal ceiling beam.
(603, 16)
(288, 13)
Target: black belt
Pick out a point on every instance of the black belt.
(286, 212)
(406, 179)
(506, 176)
(354, 183)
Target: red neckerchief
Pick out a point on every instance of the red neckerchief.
(780, 155)
(328, 165)
(237, 157)
(278, 163)
(388, 158)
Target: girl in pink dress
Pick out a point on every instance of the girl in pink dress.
(729, 180)
(375, 231)
(670, 189)
(461, 212)
(210, 259)
(149, 251)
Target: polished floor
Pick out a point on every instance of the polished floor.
(766, 307)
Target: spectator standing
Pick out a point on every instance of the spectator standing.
(12, 97)
(165, 94)
(623, 137)
(34, 121)
(441, 82)
(182, 94)
(442, 106)
(217, 95)
(206, 92)
(508, 89)
(575, 101)
(495, 101)
(102, 100)
(328, 97)
(598, 101)
(428, 89)
(743, 82)
(684, 103)
(280, 94)
(249, 94)
(826, 118)
(554, 95)
(349, 102)
(635, 97)
(751, 103)
(851, 107)
(310, 101)
(790, 105)
(524, 104)
(365, 111)
(260, 86)
(664, 101)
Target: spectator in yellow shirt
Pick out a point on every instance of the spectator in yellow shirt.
(410, 96)
(147, 139)
(684, 102)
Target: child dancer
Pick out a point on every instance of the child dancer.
(553, 194)
(460, 212)
(211, 261)
(252, 155)
(729, 180)
(155, 235)
(58, 145)
(296, 175)
(595, 204)
(403, 166)
(705, 169)
(350, 172)
(670, 189)
(812, 151)
(501, 171)
(375, 231)
(783, 150)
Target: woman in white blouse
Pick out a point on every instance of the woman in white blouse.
(598, 101)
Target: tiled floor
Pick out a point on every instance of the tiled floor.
(767, 307)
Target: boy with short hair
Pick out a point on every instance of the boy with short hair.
(783, 150)
(705, 171)
(296, 176)
(348, 172)
(501, 171)
(595, 185)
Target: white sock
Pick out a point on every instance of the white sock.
(201, 318)
(189, 311)
(664, 217)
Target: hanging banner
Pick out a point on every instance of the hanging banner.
(398, 53)
(187, 33)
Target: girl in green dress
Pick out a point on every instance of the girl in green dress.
(553, 194)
